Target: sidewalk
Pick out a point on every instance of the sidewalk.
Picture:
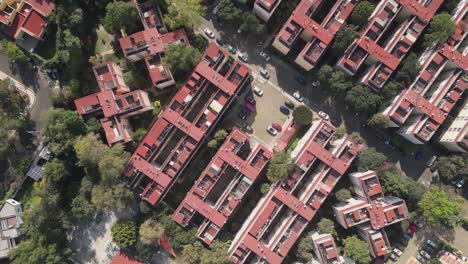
(22, 88)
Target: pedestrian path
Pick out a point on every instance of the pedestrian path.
(22, 88)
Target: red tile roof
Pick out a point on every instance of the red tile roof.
(35, 24)
(43, 7)
(122, 258)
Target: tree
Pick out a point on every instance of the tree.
(339, 82)
(34, 252)
(343, 195)
(379, 120)
(390, 90)
(305, 248)
(264, 188)
(12, 51)
(218, 138)
(324, 75)
(280, 167)
(409, 70)
(124, 233)
(191, 254)
(362, 99)
(111, 197)
(93, 125)
(370, 159)
(180, 59)
(184, 13)
(326, 226)
(121, 15)
(55, 173)
(340, 131)
(139, 134)
(452, 166)
(61, 129)
(112, 163)
(178, 236)
(344, 37)
(441, 210)
(89, 151)
(357, 250)
(229, 13)
(253, 25)
(150, 231)
(395, 184)
(440, 28)
(356, 138)
(361, 13)
(303, 115)
(217, 254)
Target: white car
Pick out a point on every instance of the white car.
(431, 243)
(209, 33)
(264, 55)
(215, 10)
(264, 73)
(258, 91)
(419, 224)
(424, 254)
(272, 131)
(298, 96)
(324, 115)
(397, 252)
(243, 57)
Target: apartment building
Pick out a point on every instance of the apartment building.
(265, 8)
(182, 127)
(281, 216)
(370, 212)
(25, 21)
(10, 222)
(223, 185)
(455, 137)
(150, 15)
(315, 22)
(114, 104)
(393, 28)
(424, 106)
(325, 249)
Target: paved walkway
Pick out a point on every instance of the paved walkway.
(23, 89)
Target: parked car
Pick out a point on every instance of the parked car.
(424, 254)
(421, 259)
(418, 224)
(298, 96)
(431, 161)
(241, 29)
(284, 110)
(220, 41)
(209, 33)
(413, 227)
(265, 74)
(243, 57)
(315, 83)
(276, 126)
(272, 131)
(397, 252)
(232, 49)
(258, 91)
(289, 104)
(403, 241)
(247, 127)
(324, 115)
(264, 56)
(393, 257)
(250, 99)
(460, 183)
(242, 115)
(410, 232)
(301, 80)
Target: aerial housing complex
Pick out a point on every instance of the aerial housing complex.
(223, 185)
(265, 8)
(325, 249)
(25, 21)
(114, 104)
(282, 215)
(420, 109)
(149, 45)
(393, 28)
(183, 125)
(308, 21)
(10, 223)
(371, 211)
(455, 137)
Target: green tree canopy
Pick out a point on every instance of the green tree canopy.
(89, 151)
(303, 115)
(253, 25)
(264, 188)
(13, 52)
(124, 233)
(280, 167)
(344, 37)
(229, 13)
(361, 13)
(440, 28)
(196, 253)
(180, 59)
(379, 120)
(55, 173)
(326, 226)
(343, 195)
(441, 210)
(184, 13)
(362, 99)
(339, 82)
(178, 236)
(121, 15)
(324, 75)
(370, 159)
(116, 196)
(150, 231)
(305, 248)
(409, 70)
(452, 166)
(357, 250)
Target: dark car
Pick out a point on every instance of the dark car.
(289, 104)
(250, 99)
(301, 80)
(220, 41)
(242, 115)
(284, 110)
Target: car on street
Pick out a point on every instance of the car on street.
(421, 259)
(393, 257)
(424, 254)
(301, 80)
(272, 131)
(404, 241)
(418, 224)
(250, 99)
(298, 96)
(410, 232)
(232, 49)
(397, 252)
(258, 91)
(241, 29)
(315, 83)
(220, 41)
(265, 74)
(284, 110)
(460, 183)
(242, 115)
(209, 33)
(247, 127)
(324, 115)
(289, 104)
(264, 56)
(276, 126)
(431, 161)
(243, 57)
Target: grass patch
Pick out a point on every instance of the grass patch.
(48, 48)
(103, 41)
(26, 196)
